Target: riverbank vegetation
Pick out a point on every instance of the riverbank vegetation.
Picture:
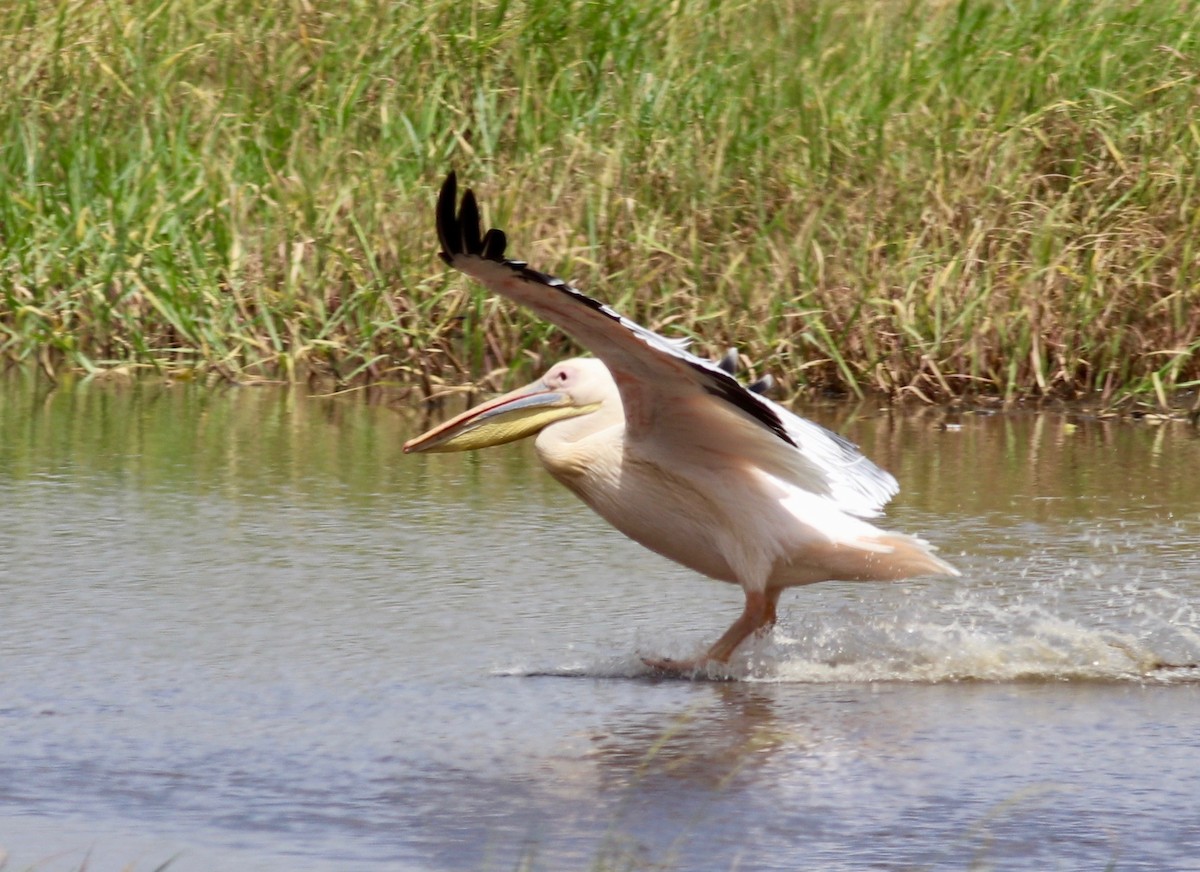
(929, 199)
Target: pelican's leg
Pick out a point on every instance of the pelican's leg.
(772, 600)
(759, 612)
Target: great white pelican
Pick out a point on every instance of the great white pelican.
(675, 453)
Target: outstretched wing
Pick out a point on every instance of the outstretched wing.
(657, 377)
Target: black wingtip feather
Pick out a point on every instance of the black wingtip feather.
(494, 243)
(459, 228)
(729, 364)
(762, 384)
(447, 222)
(468, 223)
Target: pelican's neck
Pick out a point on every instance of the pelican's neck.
(586, 445)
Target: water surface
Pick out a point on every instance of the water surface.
(238, 628)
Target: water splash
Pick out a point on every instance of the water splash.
(1126, 633)
(1032, 647)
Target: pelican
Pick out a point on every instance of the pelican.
(675, 453)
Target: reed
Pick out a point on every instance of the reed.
(929, 199)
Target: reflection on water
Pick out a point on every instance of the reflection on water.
(241, 627)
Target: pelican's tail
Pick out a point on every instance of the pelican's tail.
(892, 556)
(838, 546)
(877, 557)
(915, 557)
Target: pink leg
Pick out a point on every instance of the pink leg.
(772, 600)
(759, 612)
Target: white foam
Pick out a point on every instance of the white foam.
(1139, 634)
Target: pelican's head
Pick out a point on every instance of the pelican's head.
(568, 389)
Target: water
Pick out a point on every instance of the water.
(240, 630)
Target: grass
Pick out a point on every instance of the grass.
(930, 199)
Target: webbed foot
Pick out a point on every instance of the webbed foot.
(678, 668)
